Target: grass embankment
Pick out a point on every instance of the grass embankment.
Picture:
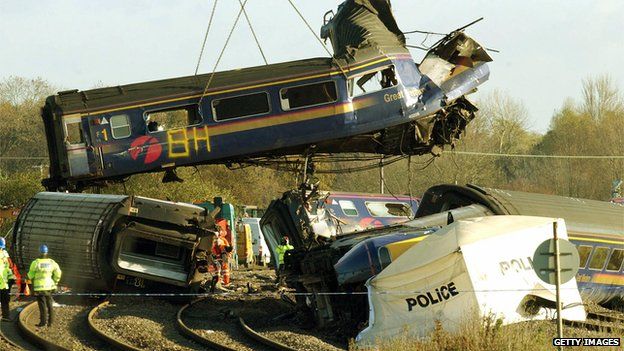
(489, 335)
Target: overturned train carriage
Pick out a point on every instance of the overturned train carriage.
(100, 240)
(317, 265)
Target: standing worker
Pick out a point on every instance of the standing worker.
(5, 275)
(281, 250)
(44, 274)
(223, 251)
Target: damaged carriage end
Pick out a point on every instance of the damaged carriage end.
(456, 65)
(101, 239)
(433, 92)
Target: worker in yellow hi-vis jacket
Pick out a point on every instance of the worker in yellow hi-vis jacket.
(6, 274)
(44, 274)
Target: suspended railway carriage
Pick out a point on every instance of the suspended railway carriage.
(369, 97)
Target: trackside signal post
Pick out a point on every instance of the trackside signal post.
(556, 262)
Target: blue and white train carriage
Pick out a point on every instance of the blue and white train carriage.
(370, 97)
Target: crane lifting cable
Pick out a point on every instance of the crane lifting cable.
(201, 52)
(253, 33)
(317, 37)
(214, 69)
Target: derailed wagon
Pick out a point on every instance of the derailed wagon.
(108, 242)
(333, 271)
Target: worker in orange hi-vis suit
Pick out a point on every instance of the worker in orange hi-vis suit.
(223, 250)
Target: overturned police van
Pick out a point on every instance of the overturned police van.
(463, 270)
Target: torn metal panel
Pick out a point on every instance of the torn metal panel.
(455, 63)
(362, 27)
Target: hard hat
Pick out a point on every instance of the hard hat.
(2, 243)
(43, 249)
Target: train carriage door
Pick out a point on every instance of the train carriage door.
(75, 146)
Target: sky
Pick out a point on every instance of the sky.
(546, 48)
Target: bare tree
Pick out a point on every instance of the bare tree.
(600, 96)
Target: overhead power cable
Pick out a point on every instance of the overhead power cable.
(473, 153)
(266, 62)
(317, 37)
(214, 7)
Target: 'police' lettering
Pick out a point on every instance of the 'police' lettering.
(436, 296)
(516, 265)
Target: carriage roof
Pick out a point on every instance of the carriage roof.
(111, 97)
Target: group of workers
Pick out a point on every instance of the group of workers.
(44, 273)
(43, 276)
(212, 260)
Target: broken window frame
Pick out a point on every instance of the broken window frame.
(285, 103)
(385, 203)
(191, 110)
(214, 111)
(73, 129)
(352, 81)
(113, 127)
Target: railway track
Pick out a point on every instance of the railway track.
(110, 340)
(240, 335)
(11, 338)
(596, 322)
(7, 343)
(69, 332)
(32, 334)
(604, 316)
(138, 324)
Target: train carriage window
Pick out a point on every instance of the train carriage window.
(120, 126)
(599, 258)
(173, 118)
(584, 252)
(74, 133)
(308, 95)
(388, 209)
(240, 106)
(373, 81)
(348, 207)
(615, 262)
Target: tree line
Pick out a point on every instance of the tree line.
(592, 125)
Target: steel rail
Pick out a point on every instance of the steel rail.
(195, 336)
(261, 338)
(119, 344)
(605, 317)
(8, 340)
(31, 334)
(593, 326)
